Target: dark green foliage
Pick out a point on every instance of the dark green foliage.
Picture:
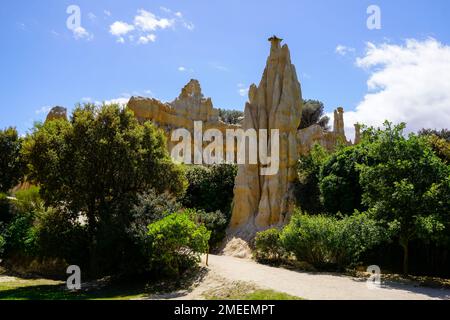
(215, 222)
(442, 134)
(176, 243)
(231, 116)
(322, 240)
(11, 163)
(407, 186)
(313, 113)
(5, 209)
(307, 187)
(96, 164)
(210, 188)
(339, 180)
(150, 207)
(268, 246)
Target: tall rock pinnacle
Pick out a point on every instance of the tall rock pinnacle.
(263, 201)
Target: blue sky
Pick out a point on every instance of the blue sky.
(224, 45)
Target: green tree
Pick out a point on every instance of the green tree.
(314, 113)
(231, 116)
(11, 164)
(210, 188)
(96, 164)
(307, 187)
(407, 186)
(339, 180)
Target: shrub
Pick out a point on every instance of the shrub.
(21, 238)
(268, 246)
(322, 240)
(357, 234)
(215, 222)
(176, 243)
(150, 207)
(61, 236)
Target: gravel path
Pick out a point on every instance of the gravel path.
(317, 286)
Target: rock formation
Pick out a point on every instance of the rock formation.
(190, 106)
(315, 134)
(262, 201)
(57, 113)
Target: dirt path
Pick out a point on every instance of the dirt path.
(306, 285)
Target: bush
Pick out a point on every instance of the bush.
(151, 207)
(215, 222)
(61, 236)
(210, 188)
(322, 240)
(176, 243)
(268, 246)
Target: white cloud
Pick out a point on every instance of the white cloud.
(344, 50)
(120, 28)
(82, 33)
(408, 83)
(181, 69)
(147, 21)
(147, 38)
(145, 25)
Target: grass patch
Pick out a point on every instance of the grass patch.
(240, 290)
(268, 295)
(43, 289)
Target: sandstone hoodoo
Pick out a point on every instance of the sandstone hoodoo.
(262, 201)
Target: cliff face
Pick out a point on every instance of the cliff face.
(262, 201)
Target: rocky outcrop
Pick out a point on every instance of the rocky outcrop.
(190, 106)
(262, 201)
(57, 113)
(329, 140)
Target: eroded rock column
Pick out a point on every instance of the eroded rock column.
(263, 201)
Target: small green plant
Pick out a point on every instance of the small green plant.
(176, 243)
(268, 246)
(323, 240)
(215, 222)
